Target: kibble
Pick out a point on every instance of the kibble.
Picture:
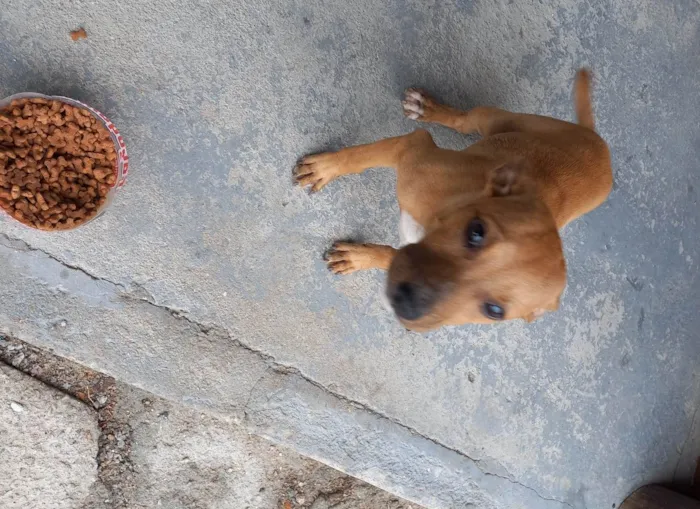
(57, 164)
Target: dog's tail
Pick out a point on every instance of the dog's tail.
(582, 99)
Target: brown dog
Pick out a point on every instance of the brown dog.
(480, 224)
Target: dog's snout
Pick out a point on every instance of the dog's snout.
(411, 301)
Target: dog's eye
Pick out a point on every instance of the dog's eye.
(493, 311)
(476, 233)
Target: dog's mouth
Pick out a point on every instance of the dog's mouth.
(425, 324)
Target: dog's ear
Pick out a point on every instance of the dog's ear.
(538, 312)
(507, 179)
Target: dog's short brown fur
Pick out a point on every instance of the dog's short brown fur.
(491, 212)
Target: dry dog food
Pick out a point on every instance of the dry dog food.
(57, 163)
(78, 34)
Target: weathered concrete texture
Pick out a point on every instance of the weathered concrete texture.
(217, 100)
(184, 459)
(48, 445)
(156, 453)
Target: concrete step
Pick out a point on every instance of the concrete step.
(73, 438)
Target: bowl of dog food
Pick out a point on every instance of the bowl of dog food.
(61, 161)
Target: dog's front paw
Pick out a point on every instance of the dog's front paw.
(347, 257)
(417, 104)
(317, 170)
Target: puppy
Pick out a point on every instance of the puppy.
(480, 225)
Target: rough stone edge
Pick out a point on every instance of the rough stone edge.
(98, 393)
(289, 408)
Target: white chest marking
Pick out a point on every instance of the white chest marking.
(410, 231)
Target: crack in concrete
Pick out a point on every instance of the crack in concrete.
(252, 391)
(113, 459)
(21, 245)
(687, 438)
(293, 370)
(277, 366)
(529, 488)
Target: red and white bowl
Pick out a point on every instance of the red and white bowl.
(121, 166)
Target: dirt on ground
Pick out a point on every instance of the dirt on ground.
(154, 453)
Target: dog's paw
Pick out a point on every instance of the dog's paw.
(417, 104)
(317, 170)
(346, 257)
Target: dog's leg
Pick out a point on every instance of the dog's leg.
(318, 170)
(419, 105)
(486, 121)
(346, 257)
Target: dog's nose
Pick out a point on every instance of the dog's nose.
(411, 301)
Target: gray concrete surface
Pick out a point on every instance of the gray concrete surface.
(206, 277)
(48, 445)
(154, 453)
(185, 459)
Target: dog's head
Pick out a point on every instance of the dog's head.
(493, 256)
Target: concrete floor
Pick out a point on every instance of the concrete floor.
(58, 418)
(48, 445)
(205, 283)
